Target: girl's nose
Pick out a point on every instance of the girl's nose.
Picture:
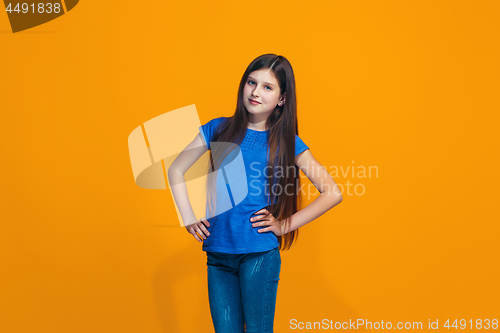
(255, 92)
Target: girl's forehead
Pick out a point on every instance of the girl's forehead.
(264, 74)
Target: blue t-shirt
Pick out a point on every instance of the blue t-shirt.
(243, 182)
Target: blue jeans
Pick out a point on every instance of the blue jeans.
(242, 289)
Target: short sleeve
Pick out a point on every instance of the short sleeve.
(300, 146)
(208, 130)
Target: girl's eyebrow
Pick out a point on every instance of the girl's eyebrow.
(264, 82)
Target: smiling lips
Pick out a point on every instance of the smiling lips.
(253, 102)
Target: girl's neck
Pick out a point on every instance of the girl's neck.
(257, 123)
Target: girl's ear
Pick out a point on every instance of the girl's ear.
(282, 100)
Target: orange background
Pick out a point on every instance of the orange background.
(408, 87)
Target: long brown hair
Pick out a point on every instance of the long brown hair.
(282, 125)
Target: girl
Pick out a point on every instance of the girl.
(252, 220)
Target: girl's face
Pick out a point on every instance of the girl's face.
(261, 93)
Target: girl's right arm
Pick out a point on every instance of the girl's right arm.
(176, 172)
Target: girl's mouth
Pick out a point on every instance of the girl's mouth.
(253, 102)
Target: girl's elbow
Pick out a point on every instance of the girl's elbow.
(336, 199)
(173, 170)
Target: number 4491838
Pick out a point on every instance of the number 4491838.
(479, 324)
(40, 8)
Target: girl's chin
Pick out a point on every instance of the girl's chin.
(252, 106)
(254, 109)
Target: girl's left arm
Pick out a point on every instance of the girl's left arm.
(330, 193)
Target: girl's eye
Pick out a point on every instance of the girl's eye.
(251, 82)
